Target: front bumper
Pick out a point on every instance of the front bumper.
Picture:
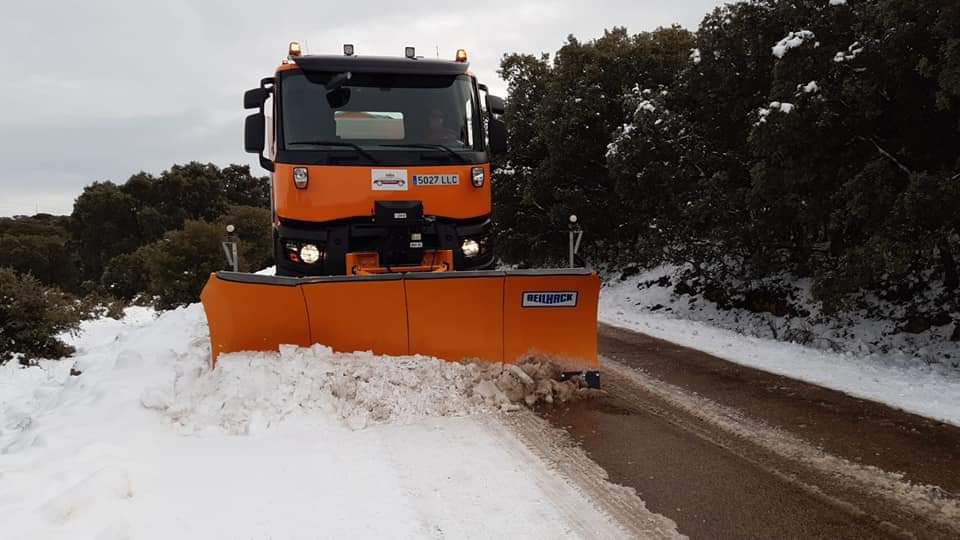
(336, 239)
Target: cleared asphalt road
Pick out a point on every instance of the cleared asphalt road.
(730, 452)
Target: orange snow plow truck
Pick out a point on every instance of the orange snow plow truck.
(381, 203)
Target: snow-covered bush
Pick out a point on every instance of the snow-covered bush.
(32, 316)
(760, 158)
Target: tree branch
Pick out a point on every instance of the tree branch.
(888, 155)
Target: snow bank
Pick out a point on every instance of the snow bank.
(148, 442)
(893, 377)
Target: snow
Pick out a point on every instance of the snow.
(895, 378)
(791, 41)
(149, 442)
(785, 108)
(647, 106)
(764, 112)
(810, 88)
(851, 53)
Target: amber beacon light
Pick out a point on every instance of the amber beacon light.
(294, 49)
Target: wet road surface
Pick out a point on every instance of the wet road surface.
(730, 452)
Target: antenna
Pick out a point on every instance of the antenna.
(438, 50)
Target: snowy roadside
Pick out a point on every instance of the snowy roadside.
(148, 442)
(892, 378)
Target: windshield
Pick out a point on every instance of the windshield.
(379, 112)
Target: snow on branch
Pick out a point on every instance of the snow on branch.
(792, 41)
(695, 56)
(764, 112)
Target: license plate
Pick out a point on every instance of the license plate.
(436, 179)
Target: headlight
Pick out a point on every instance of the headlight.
(300, 177)
(309, 253)
(470, 248)
(477, 176)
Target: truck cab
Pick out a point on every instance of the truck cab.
(378, 164)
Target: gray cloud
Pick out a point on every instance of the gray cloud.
(103, 89)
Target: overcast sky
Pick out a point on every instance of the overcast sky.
(98, 90)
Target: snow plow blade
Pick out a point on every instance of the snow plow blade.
(489, 316)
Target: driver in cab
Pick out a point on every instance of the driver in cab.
(437, 131)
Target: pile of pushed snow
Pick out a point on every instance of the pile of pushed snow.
(250, 392)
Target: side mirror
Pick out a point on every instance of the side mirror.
(253, 138)
(497, 134)
(254, 99)
(253, 134)
(495, 105)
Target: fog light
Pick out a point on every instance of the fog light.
(477, 174)
(300, 177)
(470, 248)
(309, 253)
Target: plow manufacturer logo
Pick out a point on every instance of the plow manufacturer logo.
(550, 299)
(389, 180)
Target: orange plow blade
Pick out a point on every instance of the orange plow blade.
(487, 316)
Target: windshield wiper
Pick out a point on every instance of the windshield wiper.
(446, 149)
(356, 147)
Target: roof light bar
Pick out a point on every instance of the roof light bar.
(410, 52)
(348, 49)
(461, 55)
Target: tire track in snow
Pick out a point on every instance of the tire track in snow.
(571, 467)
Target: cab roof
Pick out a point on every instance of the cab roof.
(380, 64)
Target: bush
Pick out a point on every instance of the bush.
(173, 270)
(178, 265)
(32, 316)
(96, 305)
(125, 276)
(48, 258)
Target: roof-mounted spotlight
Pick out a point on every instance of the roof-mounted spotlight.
(410, 52)
(348, 49)
(461, 55)
(294, 49)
